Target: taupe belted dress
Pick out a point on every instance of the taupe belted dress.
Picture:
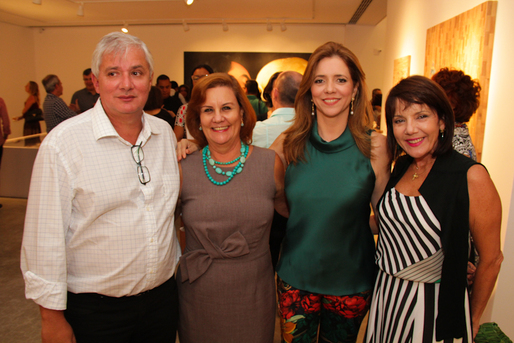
(225, 278)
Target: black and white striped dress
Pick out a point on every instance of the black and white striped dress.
(410, 258)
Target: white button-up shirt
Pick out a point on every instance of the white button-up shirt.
(91, 226)
(266, 131)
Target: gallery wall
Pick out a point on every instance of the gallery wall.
(407, 24)
(67, 51)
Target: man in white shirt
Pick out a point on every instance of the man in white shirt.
(283, 94)
(99, 249)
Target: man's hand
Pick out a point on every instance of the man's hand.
(54, 327)
(185, 147)
(75, 106)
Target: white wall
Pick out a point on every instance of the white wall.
(407, 24)
(16, 69)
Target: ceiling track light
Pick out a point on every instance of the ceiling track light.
(124, 28)
(189, 2)
(185, 26)
(269, 27)
(283, 26)
(80, 11)
(224, 24)
(36, 2)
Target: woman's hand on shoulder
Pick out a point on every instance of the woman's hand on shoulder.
(185, 147)
(381, 164)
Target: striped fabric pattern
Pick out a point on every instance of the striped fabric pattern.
(409, 255)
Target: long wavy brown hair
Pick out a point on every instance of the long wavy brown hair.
(359, 124)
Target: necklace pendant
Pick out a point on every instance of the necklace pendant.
(415, 176)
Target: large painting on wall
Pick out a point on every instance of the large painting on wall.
(246, 65)
(465, 42)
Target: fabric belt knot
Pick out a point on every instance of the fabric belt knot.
(194, 264)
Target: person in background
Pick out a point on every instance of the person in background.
(376, 103)
(99, 249)
(175, 92)
(254, 96)
(55, 110)
(434, 201)
(153, 106)
(171, 103)
(229, 191)
(5, 128)
(336, 167)
(85, 98)
(464, 95)
(266, 93)
(32, 114)
(199, 72)
(184, 91)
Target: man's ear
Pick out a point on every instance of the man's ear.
(95, 82)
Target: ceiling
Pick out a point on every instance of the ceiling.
(54, 13)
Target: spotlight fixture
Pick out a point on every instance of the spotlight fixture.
(283, 26)
(80, 11)
(225, 26)
(124, 28)
(188, 2)
(268, 26)
(37, 2)
(185, 26)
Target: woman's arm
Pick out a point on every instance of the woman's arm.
(186, 147)
(30, 101)
(485, 225)
(381, 164)
(278, 147)
(280, 196)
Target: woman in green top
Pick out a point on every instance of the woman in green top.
(336, 167)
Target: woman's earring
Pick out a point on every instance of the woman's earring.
(313, 111)
(200, 128)
(351, 107)
(242, 124)
(441, 131)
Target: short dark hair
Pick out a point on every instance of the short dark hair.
(174, 84)
(288, 85)
(252, 87)
(154, 100)
(266, 93)
(162, 77)
(204, 66)
(198, 99)
(462, 91)
(86, 72)
(420, 90)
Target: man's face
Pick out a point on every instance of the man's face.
(165, 87)
(58, 89)
(123, 83)
(88, 81)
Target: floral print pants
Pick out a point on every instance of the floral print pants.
(337, 317)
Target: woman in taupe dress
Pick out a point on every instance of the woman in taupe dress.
(229, 190)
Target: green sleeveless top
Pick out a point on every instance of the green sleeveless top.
(328, 247)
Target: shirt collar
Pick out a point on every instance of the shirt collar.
(283, 111)
(102, 126)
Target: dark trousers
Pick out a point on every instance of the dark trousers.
(151, 316)
(277, 233)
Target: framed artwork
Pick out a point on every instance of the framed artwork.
(259, 66)
(465, 42)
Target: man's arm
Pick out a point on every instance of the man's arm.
(62, 111)
(43, 253)
(54, 327)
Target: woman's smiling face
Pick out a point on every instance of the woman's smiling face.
(333, 88)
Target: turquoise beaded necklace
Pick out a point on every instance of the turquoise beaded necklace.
(207, 159)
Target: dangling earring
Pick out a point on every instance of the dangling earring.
(351, 107)
(200, 128)
(242, 124)
(313, 108)
(441, 131)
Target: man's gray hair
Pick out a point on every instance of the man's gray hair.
(49, 82)
(287, 84)
(118, 43)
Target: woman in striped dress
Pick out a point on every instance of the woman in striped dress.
(434, 200)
